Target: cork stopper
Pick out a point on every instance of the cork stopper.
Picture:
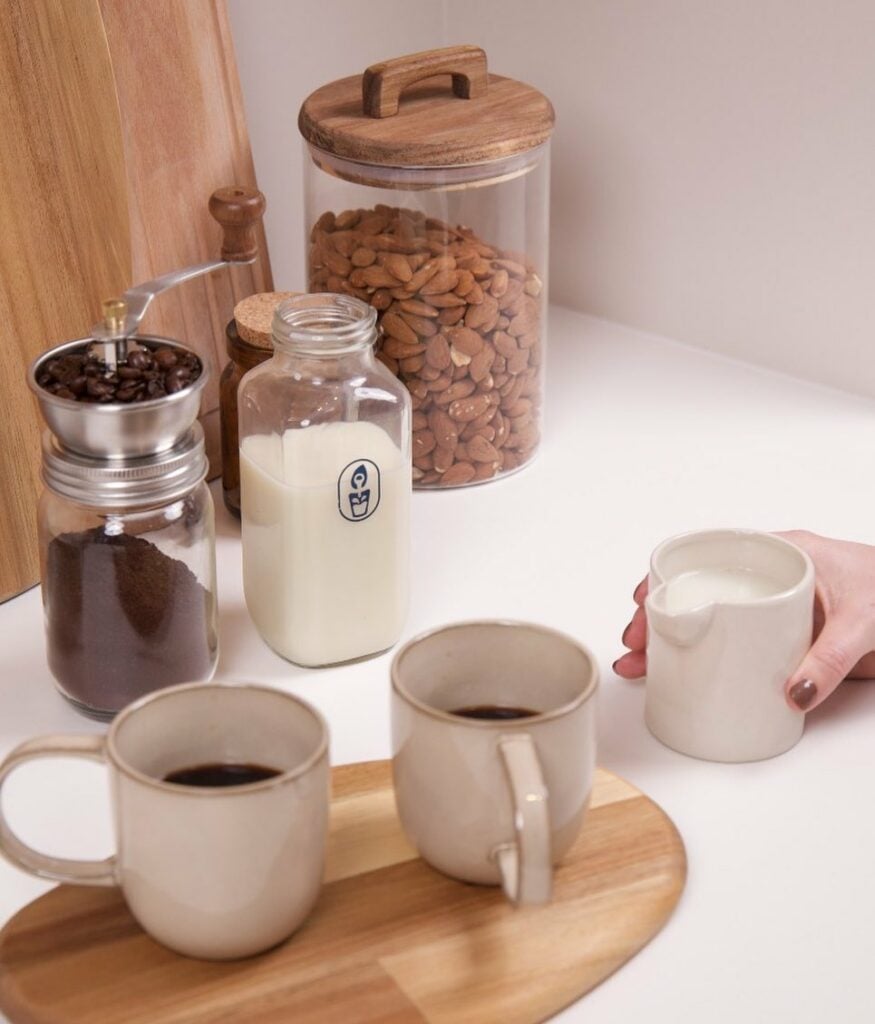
(254, 316)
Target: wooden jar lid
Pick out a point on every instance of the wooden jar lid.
(254, 316)
(452, 112)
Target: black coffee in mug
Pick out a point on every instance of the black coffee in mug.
(493, 712)
(221, 773)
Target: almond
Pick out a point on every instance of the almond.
(518, 362)
(481, 363)
(485, 471)
(463, 410)
(480, 315)
(337, 263)
(499, 283)
(401, 349)
(443, 281)
(504, 344)
(481, 450)
(459, 389)
(394, 325)
(533, 285)
(381, 299)
(437, 352)
(443, 428)
(417, 308)
(452, 315)
(412, 364)
(441, 382)
(448, 300)
(376, 277)
(347, 219)
(466, 340)
(461, 327)
(420, 324)
(443, 459)
(398, 267)
(460, 473)
(423, 443)
(465, 283)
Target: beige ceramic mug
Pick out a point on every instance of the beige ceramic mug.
(216, 873)
(729, 617)
(484, 799)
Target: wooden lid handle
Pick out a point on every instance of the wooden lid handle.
(238, 209)
(383, 83)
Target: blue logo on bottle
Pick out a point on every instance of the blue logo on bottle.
(358, 490)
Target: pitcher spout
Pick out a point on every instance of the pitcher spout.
(683, 628)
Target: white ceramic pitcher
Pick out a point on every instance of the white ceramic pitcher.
(729, 616)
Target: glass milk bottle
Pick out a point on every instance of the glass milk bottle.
(325, 486)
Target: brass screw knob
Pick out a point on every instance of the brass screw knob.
(114, 313)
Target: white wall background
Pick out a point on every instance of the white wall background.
(713, 164)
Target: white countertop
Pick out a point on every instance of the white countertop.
(645, 438)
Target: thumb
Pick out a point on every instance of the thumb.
(838, 648)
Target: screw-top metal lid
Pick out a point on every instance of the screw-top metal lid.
(125, 483)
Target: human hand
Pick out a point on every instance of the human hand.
(844, 621)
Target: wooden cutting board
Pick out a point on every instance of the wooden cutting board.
(391, 941)
(119, 120)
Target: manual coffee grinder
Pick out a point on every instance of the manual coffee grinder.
(126, 521)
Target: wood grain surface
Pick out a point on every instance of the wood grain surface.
(434, 126)
(119, 120)
(391, 941)
(65, 241)
(184, 135)
(383, 83)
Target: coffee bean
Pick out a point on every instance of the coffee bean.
(175, 379)
(145, 375)
(140, 359)
(165, 358)
(97, 388)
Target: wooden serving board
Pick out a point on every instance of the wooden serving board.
(391, 941)
(119, 121)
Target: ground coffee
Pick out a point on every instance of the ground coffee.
(123, 619)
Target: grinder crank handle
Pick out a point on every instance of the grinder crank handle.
(238, 209)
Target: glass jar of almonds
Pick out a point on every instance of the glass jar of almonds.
(427, 196)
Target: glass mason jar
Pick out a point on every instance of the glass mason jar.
(127, 551)
(243, 356)
(435, 210)
(325, 486)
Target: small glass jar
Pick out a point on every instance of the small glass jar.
(325, 486)
(244, 356)
(127, 551)
(430, 201)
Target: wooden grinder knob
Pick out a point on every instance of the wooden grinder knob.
(238, 209)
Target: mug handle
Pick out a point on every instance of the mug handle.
(526, 864)
(58, 869)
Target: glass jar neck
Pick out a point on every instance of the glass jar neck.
(324, 326)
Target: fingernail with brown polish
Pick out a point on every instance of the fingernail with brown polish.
(803, 694)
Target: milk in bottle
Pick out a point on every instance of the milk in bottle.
(325, 486)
